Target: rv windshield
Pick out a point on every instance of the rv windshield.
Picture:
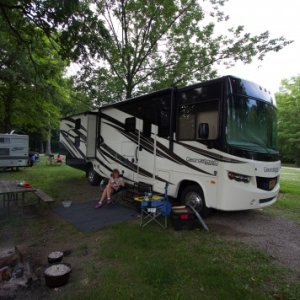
(251, 125)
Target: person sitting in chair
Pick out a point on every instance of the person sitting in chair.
(58, 159)
(115, 183)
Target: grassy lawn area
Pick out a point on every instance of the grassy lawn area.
(288, 204)
(126, 262)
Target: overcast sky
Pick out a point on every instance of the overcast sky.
(280, 18)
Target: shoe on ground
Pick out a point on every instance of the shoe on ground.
(98, 205)
(109, 202)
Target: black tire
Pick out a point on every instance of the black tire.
(93, 177)
(193, 195)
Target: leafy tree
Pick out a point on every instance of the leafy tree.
(30, 93)
(70, 24)
(288, 103)
(156, 44)
(76, 101)
(34, 36)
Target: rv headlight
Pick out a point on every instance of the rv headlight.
(239, 177)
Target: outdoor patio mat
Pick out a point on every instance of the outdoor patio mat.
(86, 218)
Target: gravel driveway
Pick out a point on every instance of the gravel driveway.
(276, 236)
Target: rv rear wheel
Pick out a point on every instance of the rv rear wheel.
(93, 177)
(193, 195)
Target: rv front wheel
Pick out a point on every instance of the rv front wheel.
(93, 177)
(193, 195)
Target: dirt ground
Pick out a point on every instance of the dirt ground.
(276, 236)
(38, 258)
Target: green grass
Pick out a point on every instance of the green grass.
(55, 180)
(126, 262)
(151, 263)
(290, 179)
(288, 203)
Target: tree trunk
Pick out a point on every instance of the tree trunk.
(297, 158)
(129, 88)
(48, 143)
(42, 146)
(8, 108)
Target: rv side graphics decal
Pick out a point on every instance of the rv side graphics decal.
(148, 145)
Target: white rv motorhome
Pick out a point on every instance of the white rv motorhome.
(14, 150)
(214, 143)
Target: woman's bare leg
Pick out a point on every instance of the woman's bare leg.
(108, 192)
(104, 194)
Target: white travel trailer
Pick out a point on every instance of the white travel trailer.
(14, 150)
(214, 143)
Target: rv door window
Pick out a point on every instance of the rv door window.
(77, 142)
(130, 124)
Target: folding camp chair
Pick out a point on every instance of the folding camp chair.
(155, 208)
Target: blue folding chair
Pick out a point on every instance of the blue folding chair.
(156, 209)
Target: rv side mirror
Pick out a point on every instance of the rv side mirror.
(77, 124)
(203, 131)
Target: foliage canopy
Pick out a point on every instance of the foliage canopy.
(288, 103)
(33, 89)
(158, 44)
(124, 48)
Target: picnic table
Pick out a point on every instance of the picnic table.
(12, 192)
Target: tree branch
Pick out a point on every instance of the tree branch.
(24, 42)
(111, 27)
(6, 5)
(141, 58)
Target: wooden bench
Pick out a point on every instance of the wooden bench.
(43, 196)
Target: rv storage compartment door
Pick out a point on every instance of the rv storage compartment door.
(91, 136)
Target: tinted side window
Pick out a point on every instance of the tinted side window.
(200, 93)
(196, 106)
(152, 110)
(191, 116)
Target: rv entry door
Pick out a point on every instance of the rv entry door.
(145, 153)
(130, 145)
